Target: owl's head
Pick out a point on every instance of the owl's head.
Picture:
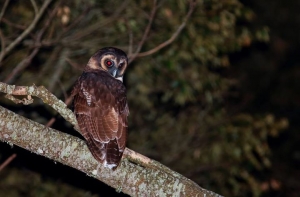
(110, 59)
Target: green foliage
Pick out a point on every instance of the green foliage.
(176, 99)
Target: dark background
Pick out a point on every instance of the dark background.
(219, 105)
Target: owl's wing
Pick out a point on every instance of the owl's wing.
(101, 110)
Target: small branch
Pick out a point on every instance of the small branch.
(21, 66)
(3, 9)
(74, 64)
(26, 31)
(50, 61)
(25, 62)
(36, 10)
(90, 29)
(2, 45)
(75, 22)
(50, 122)
(145, 35)
(175, 34)
(6, 21)
(46, 96)
(7, 161)
(130, 40)
(59, 68)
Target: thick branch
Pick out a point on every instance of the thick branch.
(72, 151)
(68, 115)
(43, 94)
(153, 179)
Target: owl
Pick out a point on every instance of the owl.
(100, 105)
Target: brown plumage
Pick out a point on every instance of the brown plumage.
(100, 105)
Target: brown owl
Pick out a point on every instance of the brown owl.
(100, 105)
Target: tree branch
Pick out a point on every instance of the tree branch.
(36, 10)
(42, 93)
(26, 61)
(7, 161)
(2, 39)
(3, 9)
(151, 180)
(175, 34)
(147, 30)
(26, 31)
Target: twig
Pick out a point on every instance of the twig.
(59, 68)
(26, 31)
(25, 62)
(175, 34)
(74, 64)
(2, 44)
(87, 31)
(21, 66)
(130, 41)
(7, 161)
(34, 7)
(152, 15)
(50, 122)
(3, 9)
(76, 21)
(47, 66)
(6, 21)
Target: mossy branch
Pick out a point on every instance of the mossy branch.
(150, 179)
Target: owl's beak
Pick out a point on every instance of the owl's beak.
(113, 72)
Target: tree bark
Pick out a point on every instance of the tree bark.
(129, 177)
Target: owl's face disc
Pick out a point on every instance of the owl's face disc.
(112, 60)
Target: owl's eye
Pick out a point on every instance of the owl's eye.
(109, 63)
(121, 65)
